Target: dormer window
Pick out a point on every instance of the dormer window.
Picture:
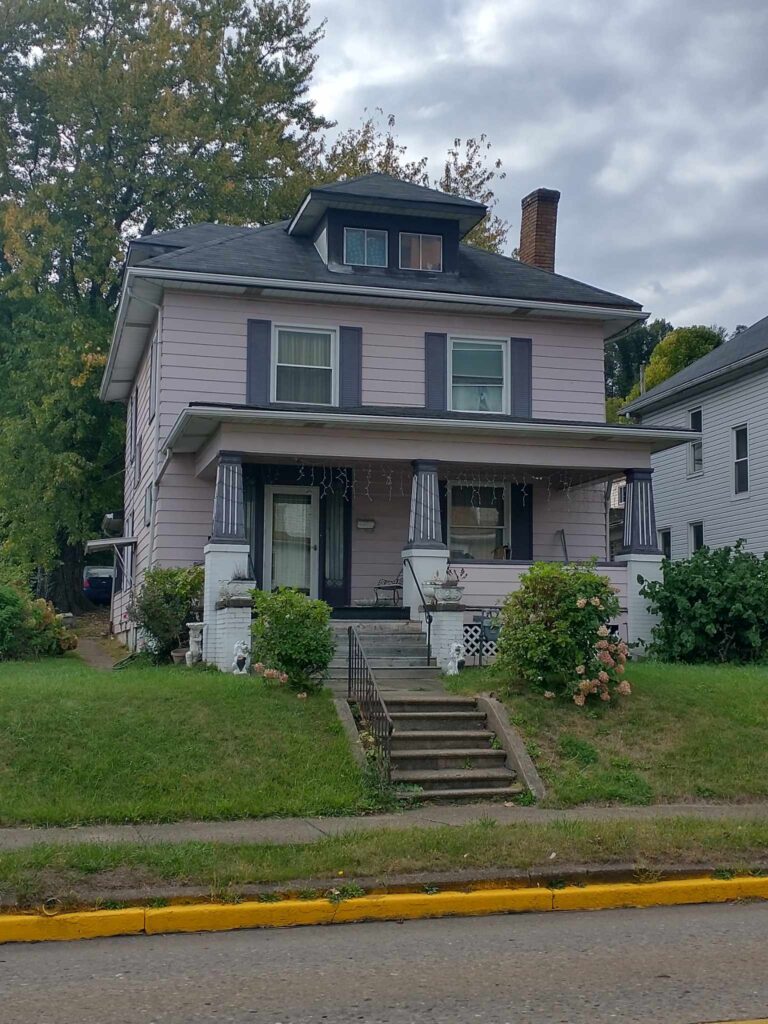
(421, 252)
(365, 247)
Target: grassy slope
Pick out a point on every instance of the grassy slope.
(686, 733)
(45, 871)
(162, 744)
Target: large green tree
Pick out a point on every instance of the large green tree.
(625, 356)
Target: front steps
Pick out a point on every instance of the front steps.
(442, 748)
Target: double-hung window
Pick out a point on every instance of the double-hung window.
(478, 375)
(420, 252)
(695, 451)
(365, 247)
(477, 522)
(304, 366)
(695, 536)
(741, 460)
(665, 542)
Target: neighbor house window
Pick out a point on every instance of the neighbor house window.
(665, 542)
(695, 536)
(148, 505)
(478, 371)
(304, 366)
(740, 460)
(364, 247)
(421, 252)
(695, 453)
(477, 522)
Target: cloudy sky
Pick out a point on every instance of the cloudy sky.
(650, 116)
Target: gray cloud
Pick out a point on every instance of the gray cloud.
(650, 116)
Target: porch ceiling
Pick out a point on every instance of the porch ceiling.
(597, 449)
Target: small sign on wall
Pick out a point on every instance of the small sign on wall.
(366, 524)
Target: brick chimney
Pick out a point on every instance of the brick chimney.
(538, 227)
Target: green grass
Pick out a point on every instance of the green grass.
(163, 744)
(54, 871)
(686, 733)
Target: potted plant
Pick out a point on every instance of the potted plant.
(239, 586)
(448, 588)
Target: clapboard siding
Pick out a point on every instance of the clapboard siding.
(709, 498)
(204, 352)
(488, 584)
(184, 514)
(580, 512)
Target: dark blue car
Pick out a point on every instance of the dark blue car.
(97, 583)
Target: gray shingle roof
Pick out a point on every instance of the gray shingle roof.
(271, 253)
(192, 234)
(746, 348)
(384, 186)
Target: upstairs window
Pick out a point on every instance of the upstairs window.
(740, 460)
(304, 366)
(421, 252)
(365, 247)
(696, 451)
(478, 372)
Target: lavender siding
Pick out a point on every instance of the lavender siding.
(204, 352)
(184, 514)
(376, 553)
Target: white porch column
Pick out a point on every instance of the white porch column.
(425, 549)
(640, 553)
(226, 557)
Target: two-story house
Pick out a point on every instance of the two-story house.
(355, 395)
(714, 490)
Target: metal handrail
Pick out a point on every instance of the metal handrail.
(362, 689)
(427, 612)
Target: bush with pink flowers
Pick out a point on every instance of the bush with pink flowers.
(555, 633)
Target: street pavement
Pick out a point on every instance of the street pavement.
(667, 966)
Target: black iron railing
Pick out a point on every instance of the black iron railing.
(362, 689)
(427, 612)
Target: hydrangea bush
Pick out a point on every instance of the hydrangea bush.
(292, 634)
(555, 633)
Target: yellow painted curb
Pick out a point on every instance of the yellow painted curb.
(212, 917)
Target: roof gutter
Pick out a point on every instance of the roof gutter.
(386, 423)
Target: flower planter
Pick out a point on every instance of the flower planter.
(239, 588)
(448, 595)
(179, 655)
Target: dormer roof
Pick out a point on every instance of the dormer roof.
(381, 193)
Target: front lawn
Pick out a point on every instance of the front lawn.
(686, 733)
(79, 745)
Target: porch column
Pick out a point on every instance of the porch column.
(426, 554)
(425, 526)
(640, 553)
(226, 560)
(228, 501)
(639, 514)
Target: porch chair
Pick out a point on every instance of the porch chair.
(390, 591)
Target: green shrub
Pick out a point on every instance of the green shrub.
(713, 606)
(291, 633)
(554, 633)
(30, 628)
(165, 602)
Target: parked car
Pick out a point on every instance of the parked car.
(97, 583)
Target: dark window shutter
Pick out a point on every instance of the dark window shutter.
(522, 376)
(442, 489)
(436, 371)
(258, 362)
(350, 367)
(521, 516)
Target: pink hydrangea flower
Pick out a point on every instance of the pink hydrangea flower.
(620, 669)
(581, 603)
(580, 670)
(549, 695)
(596, 602)
(605, 695)
(624, 688)
(603, 631)
(603, 676)
(258, 668)
(602, 645)
(606, 659)
(580, 699)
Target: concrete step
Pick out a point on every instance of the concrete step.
(442, 721)
(386, 647)
(376, 627)
(417, 672)
(451, 739)
(442, 795)
(454, 778)
(376, 663)
(418, 702)
(450, 759)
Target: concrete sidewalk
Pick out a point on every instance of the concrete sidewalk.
(282, 831)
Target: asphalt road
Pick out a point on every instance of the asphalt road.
(666, 966)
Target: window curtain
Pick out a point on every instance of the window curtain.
(304, 372)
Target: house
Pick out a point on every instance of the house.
(355, 395)
(714, 490)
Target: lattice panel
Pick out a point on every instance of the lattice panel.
(472, 645)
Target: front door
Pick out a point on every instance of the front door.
(291, 532)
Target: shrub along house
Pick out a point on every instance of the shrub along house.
(355, 395)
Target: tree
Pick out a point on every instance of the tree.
(679, 349)
(375, 147)
(119, 118)
(625, 356)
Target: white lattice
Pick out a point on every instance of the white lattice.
(472, 633)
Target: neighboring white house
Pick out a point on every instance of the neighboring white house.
(714, 491)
